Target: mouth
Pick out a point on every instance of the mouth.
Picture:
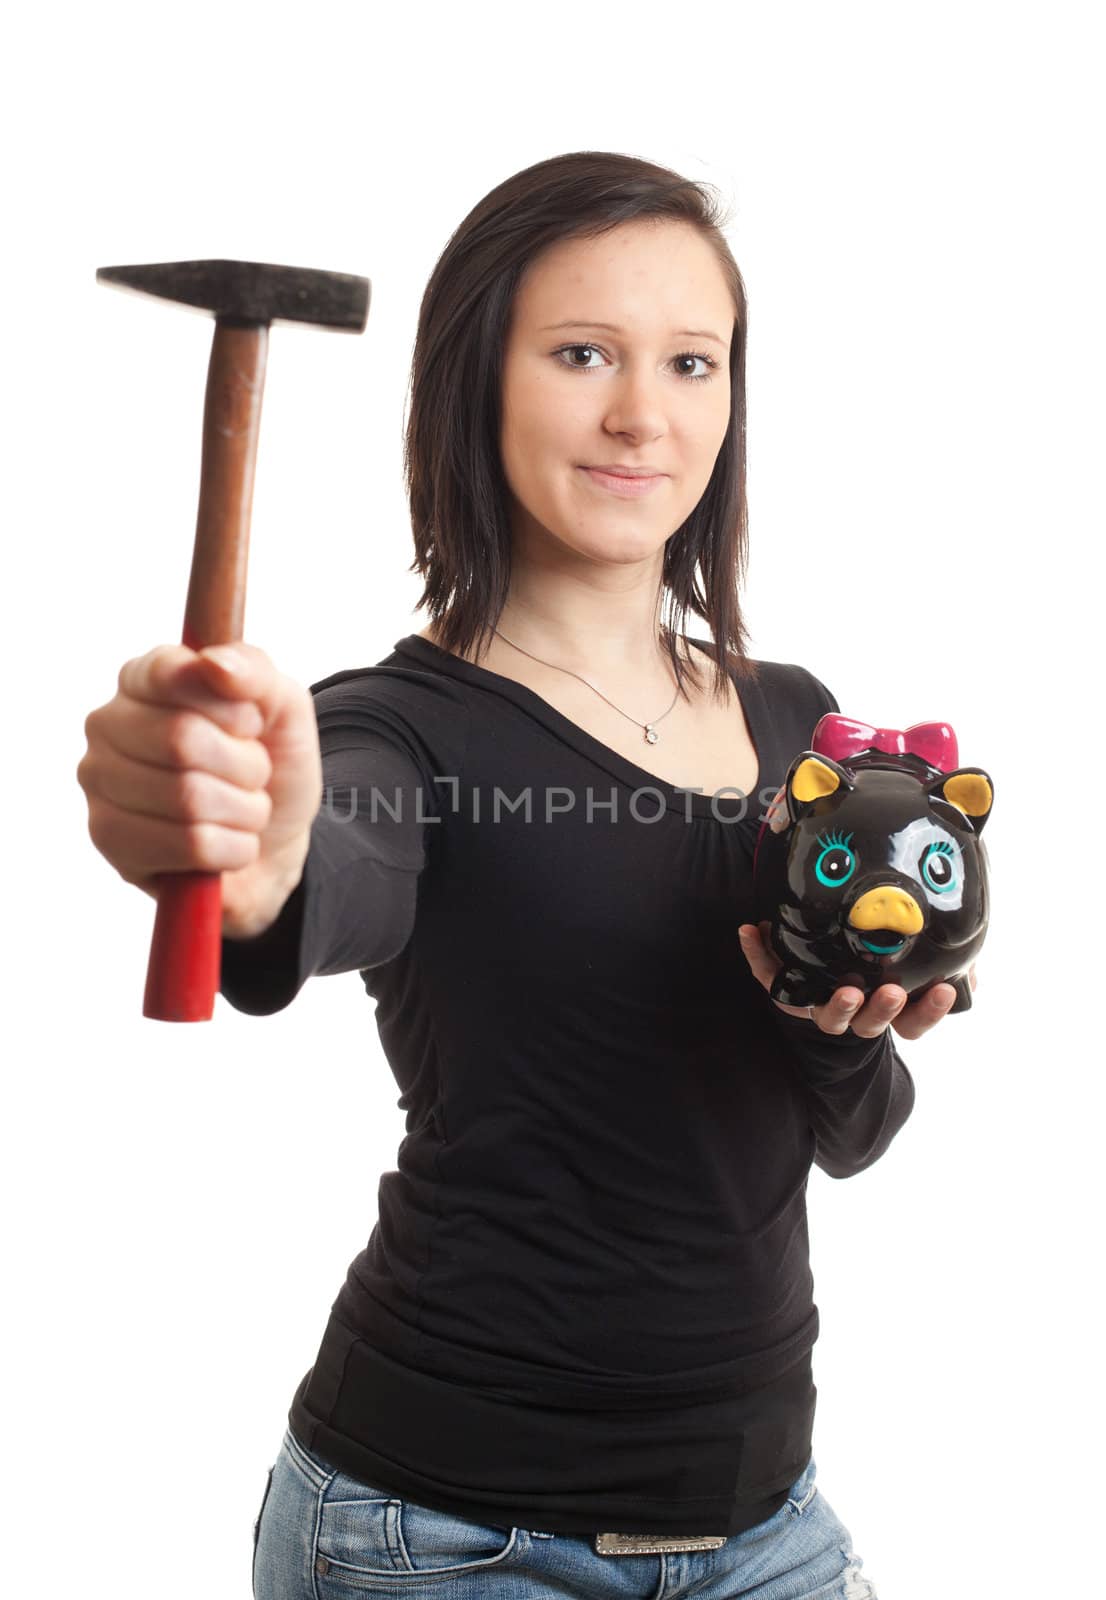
(883, 942)
(627, 484)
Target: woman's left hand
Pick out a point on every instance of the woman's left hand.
(846, 1008)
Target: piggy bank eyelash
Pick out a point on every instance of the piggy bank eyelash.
(834, 837)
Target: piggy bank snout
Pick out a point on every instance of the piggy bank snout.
(889, 906)
(883, 918)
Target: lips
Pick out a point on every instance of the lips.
(625, 485)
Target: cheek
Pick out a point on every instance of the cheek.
(530, 455)
(719, 422)
(540, 433)
(526, 417)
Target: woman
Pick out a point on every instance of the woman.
(574, 1357)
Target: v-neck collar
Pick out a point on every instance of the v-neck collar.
(602, 755)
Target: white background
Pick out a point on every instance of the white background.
(915, 198)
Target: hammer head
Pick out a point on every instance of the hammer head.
(252, 292)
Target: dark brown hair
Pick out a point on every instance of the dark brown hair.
(454, 475)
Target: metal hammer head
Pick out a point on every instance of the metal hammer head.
(252, 292)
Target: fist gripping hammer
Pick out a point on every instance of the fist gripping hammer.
(182, 977)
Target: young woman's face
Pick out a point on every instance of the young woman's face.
(642, 392)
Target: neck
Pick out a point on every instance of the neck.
(586, 626)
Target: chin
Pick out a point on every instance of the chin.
(626, 545)
(596, 533)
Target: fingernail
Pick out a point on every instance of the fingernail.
(225, 656)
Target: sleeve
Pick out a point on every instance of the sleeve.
(354, 906)
(859, 1092)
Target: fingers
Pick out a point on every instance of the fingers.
(839, 1010)
(210, 778)
(131, 842)
(762, 961)
(174, 675)
(888, 1005)
(180, 709)
(883, 1005)
(917, 1017)
(183, 735)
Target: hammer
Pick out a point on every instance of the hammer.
(182, 977)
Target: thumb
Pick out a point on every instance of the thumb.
(762, 962)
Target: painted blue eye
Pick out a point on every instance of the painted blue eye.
(836, 863)
(939, 867)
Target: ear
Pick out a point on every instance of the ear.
(969, 789)
(811, 776)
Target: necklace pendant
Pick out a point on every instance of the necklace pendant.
(651, 734)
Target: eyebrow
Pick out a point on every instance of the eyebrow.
(610, 327)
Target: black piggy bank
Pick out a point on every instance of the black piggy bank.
(869, 864)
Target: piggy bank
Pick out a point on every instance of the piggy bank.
(870, 866)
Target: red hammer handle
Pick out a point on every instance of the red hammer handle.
(182, 978)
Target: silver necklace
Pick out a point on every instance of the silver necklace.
(649, 728)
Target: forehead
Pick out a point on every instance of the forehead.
(650, 273)
(886, 800)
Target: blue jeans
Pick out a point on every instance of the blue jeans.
(321, 1535)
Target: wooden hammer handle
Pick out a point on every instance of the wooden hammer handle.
(182, 978)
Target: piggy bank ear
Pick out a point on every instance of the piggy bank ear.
(809, 777)
(969, 789)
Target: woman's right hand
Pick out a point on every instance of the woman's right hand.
(194, 767)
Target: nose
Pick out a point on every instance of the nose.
(636, 403)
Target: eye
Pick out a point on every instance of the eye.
(938, 867)
(687, 355)
(836, 863)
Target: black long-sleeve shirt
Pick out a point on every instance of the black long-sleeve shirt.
(587, 1302)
